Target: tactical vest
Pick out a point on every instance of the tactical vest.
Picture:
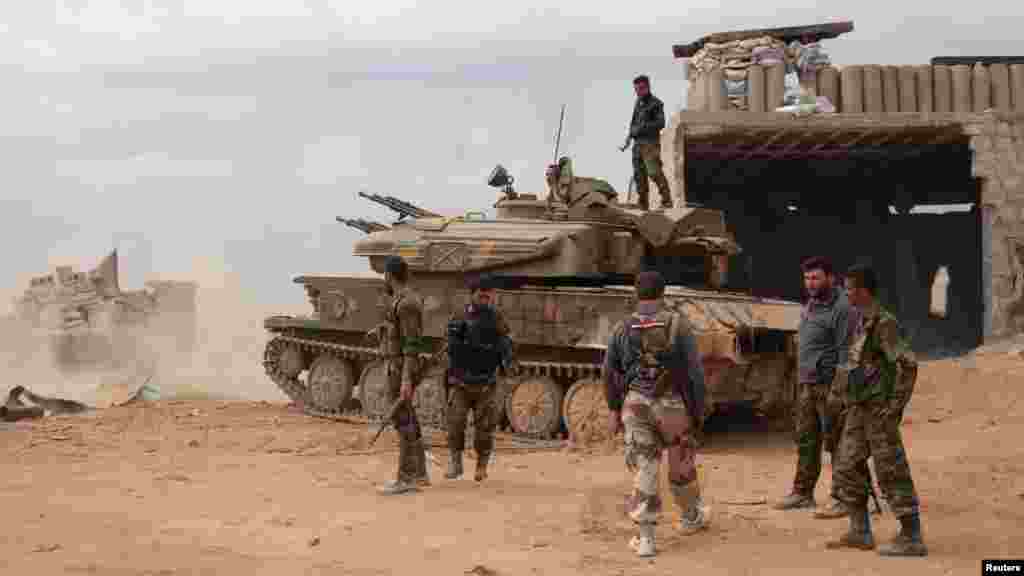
(649, 341)
(473, 345)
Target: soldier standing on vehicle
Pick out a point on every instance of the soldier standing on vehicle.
(478, 345)
(824, 341)
(876, 385)
(645, 131)
(401, 347)
(654, 385)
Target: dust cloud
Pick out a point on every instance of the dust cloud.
(215, 353)
(227, 358)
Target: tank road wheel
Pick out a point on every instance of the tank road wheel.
(290, 362)
(373, 390)
(330, 382)
(586, 412)
(534, 407)
(283, 362)
(430, 400)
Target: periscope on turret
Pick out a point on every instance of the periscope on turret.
(566, 263)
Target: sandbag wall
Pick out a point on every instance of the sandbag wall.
(872, 89)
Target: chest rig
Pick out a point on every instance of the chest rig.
(473, 344)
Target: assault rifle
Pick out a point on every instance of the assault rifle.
(832, 445)
(390, 416)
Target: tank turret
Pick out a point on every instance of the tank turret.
(578, 235)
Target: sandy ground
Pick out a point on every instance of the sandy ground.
(205, 487)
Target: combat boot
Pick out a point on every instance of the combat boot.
(397, 486)
(643, 544)
(859, 534)
(481, 467)
(908, 542)
(454, 465)
(421, 472)
(693, 514)
(795, 500)
(404, 481)
(834, 509)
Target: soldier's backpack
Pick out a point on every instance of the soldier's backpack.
(650, 347)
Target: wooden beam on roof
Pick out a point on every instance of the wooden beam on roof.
(796, 143)
(741, 143)
(945, 138)
(832, 136)
(863, 135)
(883, 139)
(775, 138)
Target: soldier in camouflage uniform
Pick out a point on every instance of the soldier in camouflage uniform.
(402, 346)
(654, 385)
(645, 130)
(478, 345)
(824, 339)
(876, 385)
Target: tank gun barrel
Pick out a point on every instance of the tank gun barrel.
(366, 226)
(404, 209)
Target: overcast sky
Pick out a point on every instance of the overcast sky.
(238, 129)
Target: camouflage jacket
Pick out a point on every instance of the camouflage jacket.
(648, 119)
(890, 368)
(686, 369)
(405, 337)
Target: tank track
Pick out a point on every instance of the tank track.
(296, 391)
(292, 387)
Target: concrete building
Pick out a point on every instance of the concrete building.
(855, 184)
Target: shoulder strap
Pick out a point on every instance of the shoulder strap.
(394, 305)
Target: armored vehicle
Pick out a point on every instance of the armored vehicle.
(93, 326)
(566, 263)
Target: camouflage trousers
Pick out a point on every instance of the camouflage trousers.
(482, 400)
(870, 431)
(651, 428)
(812, 416)
(412, 462)
(647, 166)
